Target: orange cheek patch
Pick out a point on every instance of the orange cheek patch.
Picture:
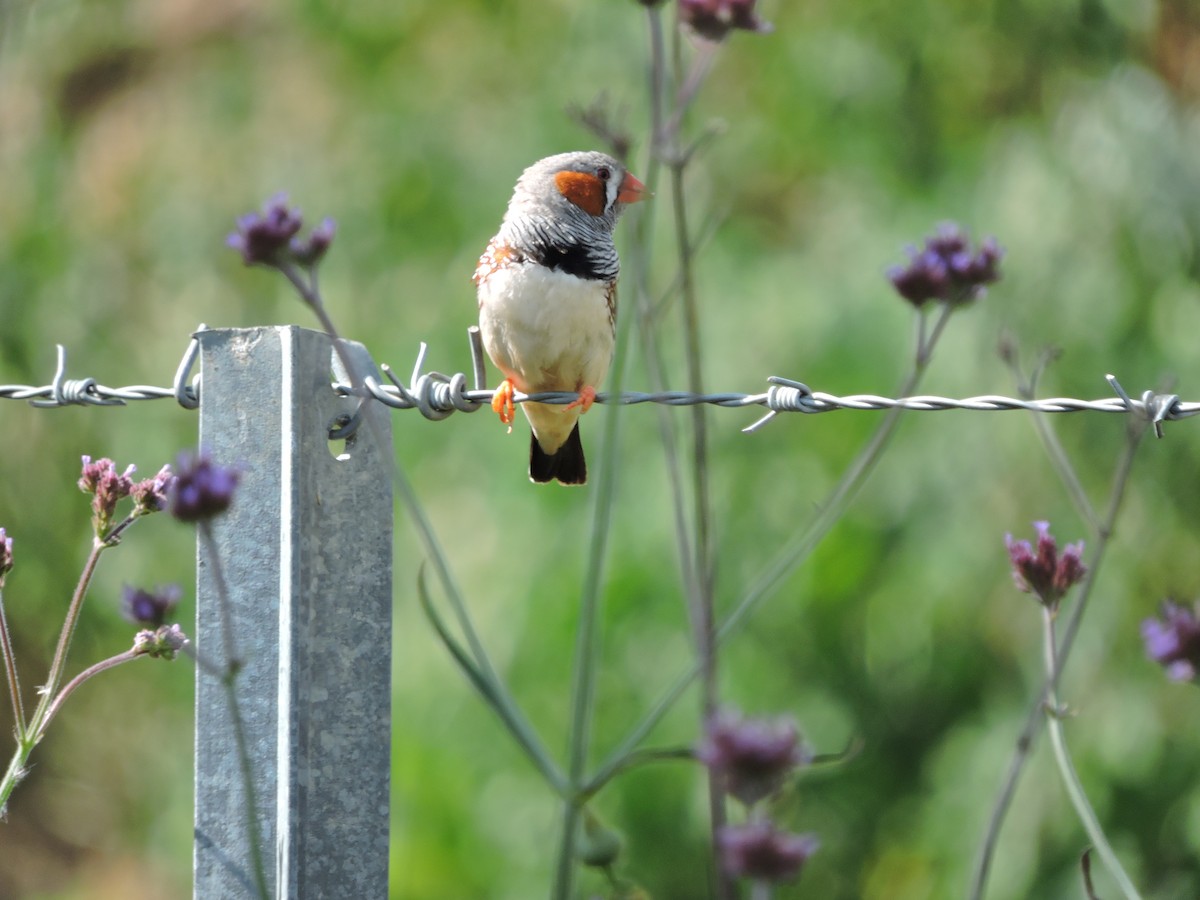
(585, 191)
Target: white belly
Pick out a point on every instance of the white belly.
(547, 331)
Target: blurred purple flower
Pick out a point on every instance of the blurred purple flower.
(100, 479)
(714, 19)
(163, 642)
(752, 756)
(202, 488)
(149, 607)
(269, 238)
(262, 236)
(1043, 571)
(1174, 640)
(310, 251)
(946, 269)
(6, 555)
(757, 850)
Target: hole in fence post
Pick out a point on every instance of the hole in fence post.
(341, 447)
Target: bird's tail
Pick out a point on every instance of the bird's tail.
(566, 464)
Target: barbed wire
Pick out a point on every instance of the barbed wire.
(437, 395)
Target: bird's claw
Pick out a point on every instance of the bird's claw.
(502, 403)
(587, 396)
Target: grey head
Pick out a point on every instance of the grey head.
(564, 208)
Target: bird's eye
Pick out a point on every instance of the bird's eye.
(604, 173)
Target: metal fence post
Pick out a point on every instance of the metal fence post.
(306, 550)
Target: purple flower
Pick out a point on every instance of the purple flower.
(262, 237)
(946, 269)
(1174, 640)
(6, 555)
(269, 238)
(150, 494)
(753, 756)
(163, 642)
(309, 252)
(149, 607)
(1043, 571)
(714, 19)
(202, 489)
(100, 479)
(757, 850)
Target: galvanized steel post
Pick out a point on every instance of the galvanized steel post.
(306, 550)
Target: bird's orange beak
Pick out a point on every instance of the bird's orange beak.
(632, 190)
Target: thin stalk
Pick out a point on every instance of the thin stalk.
(310, 293)
(1054, 449)
(253, 832)
(703, 614)
(1087, 816)
(68, 631)
(1034, 718)
(10, 673)
(104, 665)
(228, 678)
(643, 244)
(509, 714)
(847, 487)
(233, 662)
(587, 635)
(791, 555)
(482, 671)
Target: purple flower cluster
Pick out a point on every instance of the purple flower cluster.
(754, 759)
(149, 608)
(947, 269)
(270, 237)
(1043, 571)
(714, 19)
(108, 488)
(1174, 640)
(202, 489)
(163, 642)
(6, 555)
(150, 494)
(760, 851)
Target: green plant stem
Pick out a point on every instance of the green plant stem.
(1087, 816)
(30, 734)
(1034, 718)
(477, 664)
(253, 832)
(10, 674)
(509, 714)
(70, 687)
(704, 613)
(233, 662)
(50, 688)
(795, 552)
(228, 678)
(587, 635)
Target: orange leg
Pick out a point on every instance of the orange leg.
(502, 402)
(587, 396)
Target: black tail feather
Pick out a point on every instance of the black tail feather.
(567, 464)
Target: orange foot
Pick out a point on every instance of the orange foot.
(502, 402)
(587, 396)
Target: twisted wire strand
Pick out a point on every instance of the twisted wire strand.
(437, 395)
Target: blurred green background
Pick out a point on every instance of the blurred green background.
(132, 133)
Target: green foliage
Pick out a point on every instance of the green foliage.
(132, 133)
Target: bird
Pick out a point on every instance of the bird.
(547, 291)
